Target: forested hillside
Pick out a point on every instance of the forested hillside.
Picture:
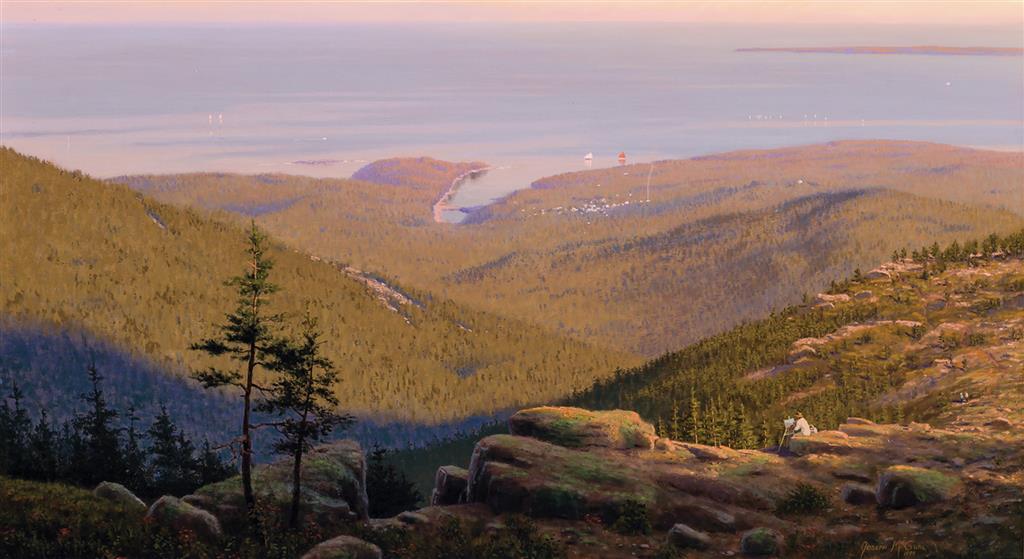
(588, 255)
(148, 278)
(891, 345)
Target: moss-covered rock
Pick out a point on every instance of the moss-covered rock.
(121, 495)
(178, 515)
(333, 487)
(905, 486)
(575, 427)
(526, 475)
(761, 541)
(449, 485)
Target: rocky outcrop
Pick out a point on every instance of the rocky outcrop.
(450, 484)
(704, 497)
(333, 487)
(121, 495)
(514, 473)
(344, 547)
(905, 486)
(525, 475)
(821, 298)
(822, 442)
(999, 424)
(178, 515)
(892, 270)
(575, 427)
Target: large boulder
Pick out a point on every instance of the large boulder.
(344, 547)
(333, 487)
(822, 442)
(761, 541)
(544, 480)
(682, 536)
(576, 427)
(121, 495)
(1000, 424)
(905, 486)
(449, 485)
(178, 515)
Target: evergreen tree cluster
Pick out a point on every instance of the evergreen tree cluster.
(104, 444)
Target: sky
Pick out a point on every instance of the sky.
(939, 12)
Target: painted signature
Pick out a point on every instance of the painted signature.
(901, 549)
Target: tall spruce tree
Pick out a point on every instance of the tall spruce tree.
(303, 395)
(43, 451)
(99, 445)
(136, 475)
(174, 465)
(14, 430)
(693, 425)
(245, 336)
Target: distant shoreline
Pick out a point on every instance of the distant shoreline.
(442, 203)
(919, 50)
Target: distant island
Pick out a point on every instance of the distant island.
(924, 50)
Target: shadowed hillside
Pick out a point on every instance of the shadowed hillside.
(149, 278)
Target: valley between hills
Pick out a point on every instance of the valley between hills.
(863, 283)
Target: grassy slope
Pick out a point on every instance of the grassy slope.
(80, 253)
(630, 279)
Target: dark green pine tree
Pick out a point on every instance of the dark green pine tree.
(714, 421)
(693, 420)
(745, 437)
(765, 434)
(675, 426)
(212, 468)
(14, 429)
(174, 465)
(303, 396)
(245, 336)
(99, 456)
(390, 492)
(136, 476)
(43, 451)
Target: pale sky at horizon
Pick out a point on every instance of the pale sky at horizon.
(1009, 12)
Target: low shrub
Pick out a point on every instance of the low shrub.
(632, 518)
(803, 499)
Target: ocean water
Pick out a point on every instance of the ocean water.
(529, 99)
